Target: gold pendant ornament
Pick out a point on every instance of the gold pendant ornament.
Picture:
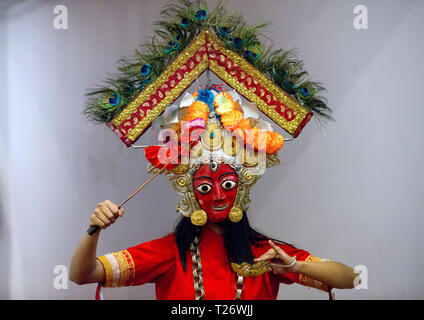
(180, 169)
(199, 218)
(235, 214)
(247, 270)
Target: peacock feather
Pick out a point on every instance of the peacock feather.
(180, 22)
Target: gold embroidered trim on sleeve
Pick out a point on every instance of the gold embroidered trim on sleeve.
(309, 282)
(124, 275)
(108, 271)
(126, 268)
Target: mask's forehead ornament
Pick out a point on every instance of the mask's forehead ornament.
(214, 166)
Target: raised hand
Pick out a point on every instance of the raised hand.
(105, 214)
(281, 262)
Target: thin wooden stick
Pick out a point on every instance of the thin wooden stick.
(152, 177)
(142, 186)
(92, 230)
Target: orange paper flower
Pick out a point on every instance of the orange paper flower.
(197, 115)
(197, 110)
(275, 143)
(271, 143)
(243, 124)
(230, 119)
(198, 106)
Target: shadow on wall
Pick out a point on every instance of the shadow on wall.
(4, 229)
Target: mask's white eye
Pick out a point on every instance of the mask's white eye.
(228, 184)
(204, 188)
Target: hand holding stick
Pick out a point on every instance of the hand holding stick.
(93, 229)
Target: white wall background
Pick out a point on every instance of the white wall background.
(351, 192)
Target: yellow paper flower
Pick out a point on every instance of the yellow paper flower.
(223, 103)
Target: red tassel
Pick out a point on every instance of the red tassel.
(99, 295)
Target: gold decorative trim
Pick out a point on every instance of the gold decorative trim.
(204, 49)
(126, 269)
(249, 70)
(312, 258)
(156, 84)
(108, 271)
(171, 96)
(123, 269)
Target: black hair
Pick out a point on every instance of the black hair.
(238, 238)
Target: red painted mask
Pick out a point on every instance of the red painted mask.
(215, 186)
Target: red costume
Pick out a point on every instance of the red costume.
(213, 147)
(158, 262)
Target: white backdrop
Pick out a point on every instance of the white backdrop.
(350, 191)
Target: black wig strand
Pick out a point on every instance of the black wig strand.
(238, 238)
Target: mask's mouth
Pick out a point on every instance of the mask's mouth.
(220, 208)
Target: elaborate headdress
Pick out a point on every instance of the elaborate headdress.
(211, 125)
(214, 127)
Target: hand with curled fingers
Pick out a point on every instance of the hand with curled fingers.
(105, 214)
(280, 261)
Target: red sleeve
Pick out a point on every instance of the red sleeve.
(153, 259)
(140, 264)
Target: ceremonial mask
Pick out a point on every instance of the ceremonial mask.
(215, 187)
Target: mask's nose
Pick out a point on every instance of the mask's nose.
(218, 194)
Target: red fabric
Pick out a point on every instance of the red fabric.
(158, 262)
(99, 295)
(157, 157)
